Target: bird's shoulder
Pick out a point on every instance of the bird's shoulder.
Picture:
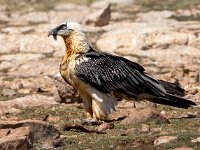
(94, 58)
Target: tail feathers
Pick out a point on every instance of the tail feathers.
(172, 100)
(173, 88)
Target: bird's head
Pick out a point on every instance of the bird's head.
(66, 29)
(73, 35)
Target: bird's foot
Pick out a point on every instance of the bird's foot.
(91, 121)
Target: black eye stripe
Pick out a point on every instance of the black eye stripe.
(63, 27)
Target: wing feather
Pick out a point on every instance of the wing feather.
(109, 73)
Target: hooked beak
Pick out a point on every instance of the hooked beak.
(53, 32)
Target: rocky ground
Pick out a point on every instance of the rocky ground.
(38, 110)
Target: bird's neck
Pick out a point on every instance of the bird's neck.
(76, 43)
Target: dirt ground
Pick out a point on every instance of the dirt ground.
(162, 36)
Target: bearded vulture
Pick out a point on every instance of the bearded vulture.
(101, 78)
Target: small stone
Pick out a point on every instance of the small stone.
(183, 148)
(24, 91)
(64, 93)
(105, 126)
(164, 139)
(196, 140)
(9, 110)
(194, 91)
(51, 144)
(145, 128)
(156, 129)
(8, 92)
(53, 118)
(4, 132)
(128, 131)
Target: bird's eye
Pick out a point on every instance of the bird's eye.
(63, 27)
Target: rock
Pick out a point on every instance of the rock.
(97, 4)
(40, 129)
(29, 101)
(167, 38)
(156, 129)
(145, 128)
(5, 66)
(64, 93)
(100, 17)
(29, 85)
(196, 140)
(35, 17)
(9, 43)
(4, 17)
(144, 115)
(21, 57)
(13, 31)
(110, 41)
(51, 144)
(20, 138)
(132, 39)
(105, 126)
(116, 16)
(129, 131)
(59, 53)
(53, 118)
(125, 2)
(62, 16)
(9, 110)
(183, 148)
(36, 68)
(8, 92)
(12, 106)
(69, 7)
(36, 43)
(164, 139)
(162, 18)
(25, 91)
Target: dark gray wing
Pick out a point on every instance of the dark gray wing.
(108, 73)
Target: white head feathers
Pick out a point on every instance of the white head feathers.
(74, 26)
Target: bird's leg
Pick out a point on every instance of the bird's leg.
(87, 105)
(98, 112)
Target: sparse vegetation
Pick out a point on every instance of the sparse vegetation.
(121, 137)
(159, 59)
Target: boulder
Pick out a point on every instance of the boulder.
(100, 17)
(40, 129)
(20, 138)
(29, 101)
(144, 115)
(64, 93)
